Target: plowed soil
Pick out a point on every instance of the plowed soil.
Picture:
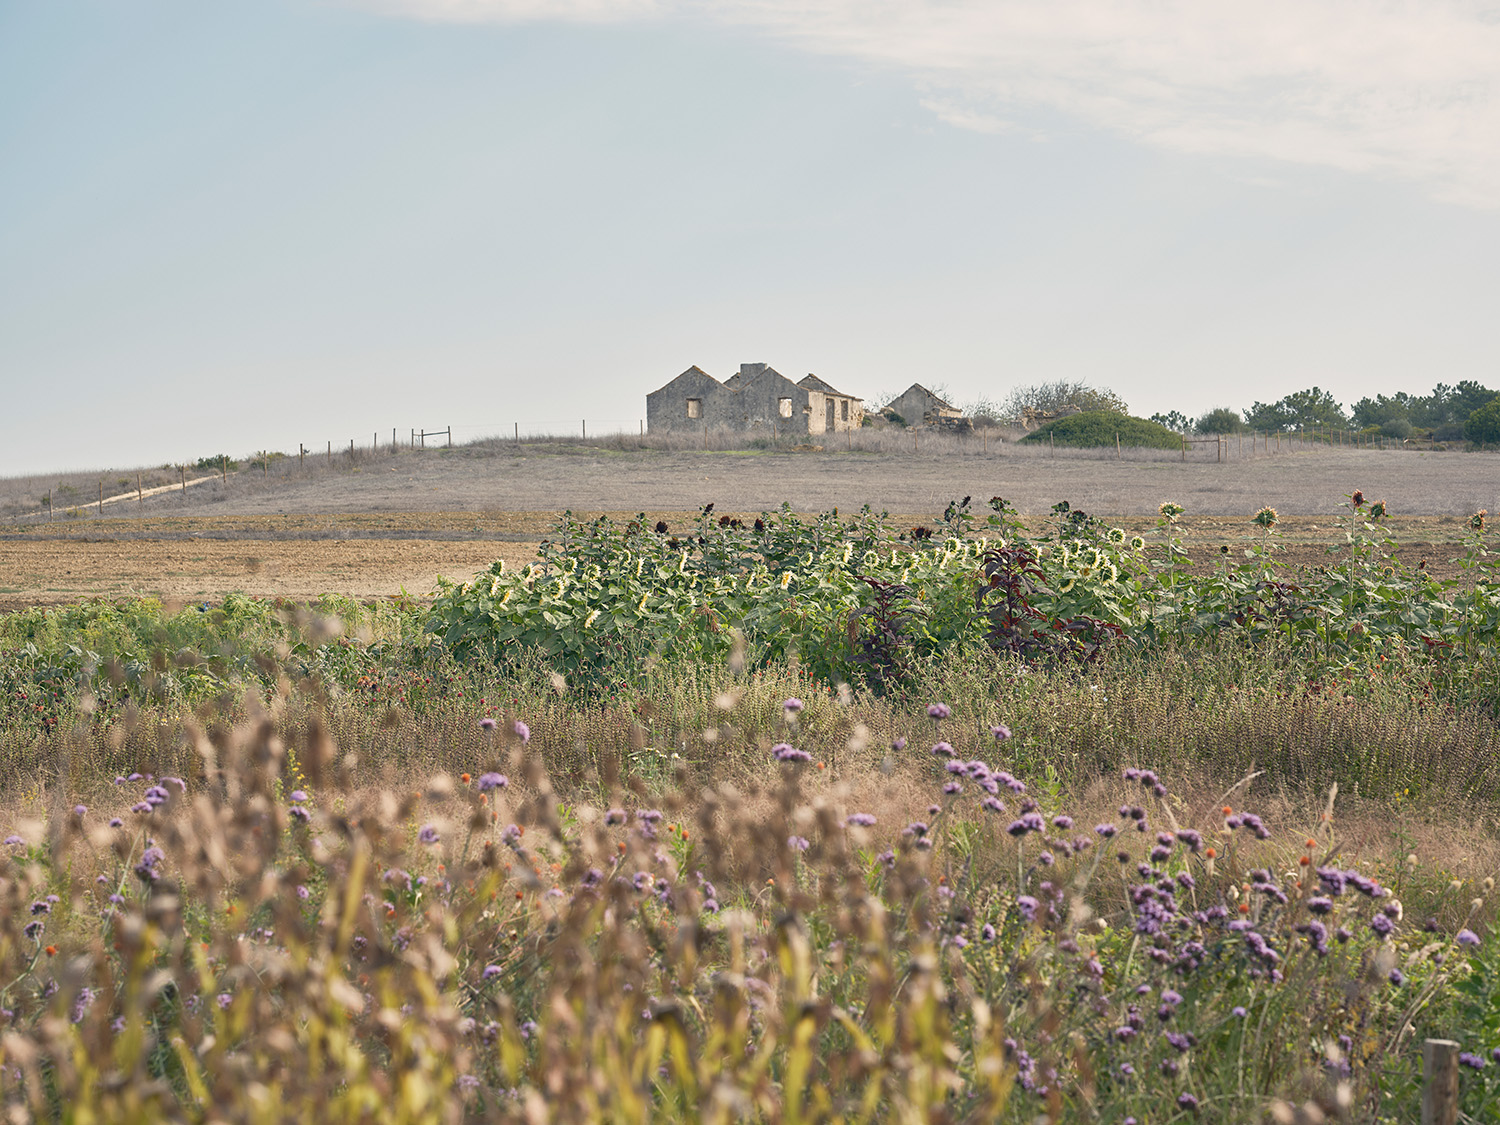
(371, 556)
(385, 523)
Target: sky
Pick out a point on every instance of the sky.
(239, 226)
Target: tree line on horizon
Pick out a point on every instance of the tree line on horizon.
(1467, 410)
(1448, 413)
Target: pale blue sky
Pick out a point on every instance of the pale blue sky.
(234, 226)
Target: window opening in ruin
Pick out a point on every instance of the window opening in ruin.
(784, 408)
(844, 409)
(695, 408)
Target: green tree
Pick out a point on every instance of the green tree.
(1219, 420)
(1382, 411)
(1301, 410)
(1483, 425)
(1173, 420)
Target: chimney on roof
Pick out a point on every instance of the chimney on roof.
(749, 369)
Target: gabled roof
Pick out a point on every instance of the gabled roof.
(760, 376)
(693, 374)
(943, 403)
(813, 383)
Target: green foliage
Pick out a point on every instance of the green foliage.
(121, 654)
(1301, 410)
(1220, 420)
(217, 463)
(1173, 420)
(1097, 429)
(605, 599)
(1483, 425)
(1381, 411)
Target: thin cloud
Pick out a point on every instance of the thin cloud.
(1391, 88)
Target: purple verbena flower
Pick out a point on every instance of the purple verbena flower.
(938, 711)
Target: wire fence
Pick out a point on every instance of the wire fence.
(159, 489)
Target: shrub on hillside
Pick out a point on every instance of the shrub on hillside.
(1097, 428)
(1220, 420)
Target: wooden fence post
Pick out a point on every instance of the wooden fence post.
(450, 437)
(585, 429)
(182, 469)
(140, 496)
(1439, 1082)
(49, 505)
(1183, 437)
(101, 497)
(518, 433)
(393, 439)
(1117, 446)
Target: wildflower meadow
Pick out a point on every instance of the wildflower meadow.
(774, 818)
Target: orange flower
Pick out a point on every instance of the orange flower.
(52, 951)
(464, 778)
(1244, 908)
(1312, 843)
(518, 894)
(770, 882)
(684, 837)
(1226, 810)
(822, 765)
(1211, 853)
(621, 845)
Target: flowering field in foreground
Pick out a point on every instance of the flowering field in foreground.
(264, 941)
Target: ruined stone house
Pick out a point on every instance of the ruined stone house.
(757, 398)
(917, 406)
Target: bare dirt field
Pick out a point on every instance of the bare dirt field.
(387, 522)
